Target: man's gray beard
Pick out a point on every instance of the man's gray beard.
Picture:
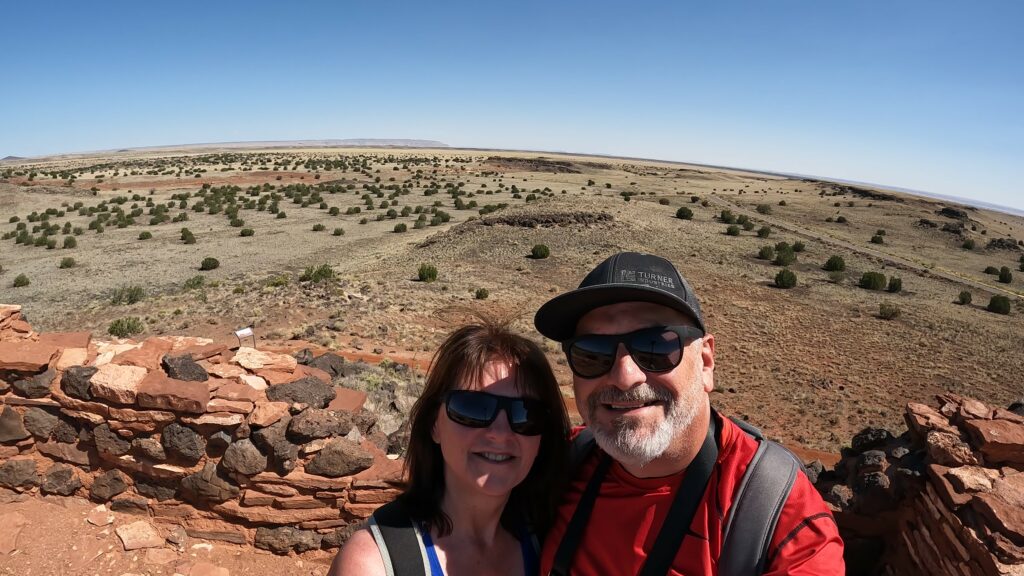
(628, 441)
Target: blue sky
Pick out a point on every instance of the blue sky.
(922, 95)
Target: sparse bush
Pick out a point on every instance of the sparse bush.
(145, 235)
(1005, 276)
(663, 201)
(399, 228)
(876, 239)
(127, 295)
(277, 281)
(67, 262)
(727, 217)
(684, 213)
(694, 199)
(732, 230)
(209, 263)
(187, 236)
(786, 278)
(70, 242)
(887, 311)
(784, 257)
(766, 253)
(236, 222)
(999, 305)
(21, 280)
(895, 285)
(317, 274)
(748, 225)
(125, 327)
(339, 232)
(836, 276)
(764, 209)
(319, 227)
(841, 220)
(427, 273)
(964, 298)
(540, 252)
(799, 246)
(968, 244)
(481, 294)
(764, 231)
(195, 282)
(281, 214)
(782, 202)
(246, 232)
(991, 270)
(872, 281)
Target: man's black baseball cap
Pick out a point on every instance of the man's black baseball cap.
(624, 277)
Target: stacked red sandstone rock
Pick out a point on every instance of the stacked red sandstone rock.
(241, 445)
(947, 497)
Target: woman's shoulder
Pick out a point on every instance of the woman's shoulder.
(359, 555)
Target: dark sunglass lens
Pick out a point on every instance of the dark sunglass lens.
(474, 409)
(525, 416)
(656, 350)
(592, 356)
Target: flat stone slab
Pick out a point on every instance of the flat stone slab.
(164, 393)
(117, 383)
(347, 400)
(138, 535)
(147, 356)
(66, 339)
(253, 359)
(27, 356)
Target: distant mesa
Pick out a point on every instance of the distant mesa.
(329, 143)
(12, 158)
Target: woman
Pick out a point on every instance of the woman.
(486, 460)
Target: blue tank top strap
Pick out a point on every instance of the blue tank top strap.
(435, 564)
(531, 559)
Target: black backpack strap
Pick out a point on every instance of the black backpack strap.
(574, 531)
(581, 447)
(751, 522)
(399, 541)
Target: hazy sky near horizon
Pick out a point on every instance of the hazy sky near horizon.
(927, 95)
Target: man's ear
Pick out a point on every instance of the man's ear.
(707, 356)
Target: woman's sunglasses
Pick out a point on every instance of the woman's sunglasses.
(477, 409)
(657, 349)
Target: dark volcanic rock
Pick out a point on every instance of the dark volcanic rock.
(40, 423)
(107, 485)
(75, 381)
(339, 536)
(953, 227)
(272, 441)
(398, 441)
(303, 356)
(314, 423)
(993, 244)
(183, 442)
(184, 368)
(19, 474)
(926, 223)
(208, 485)
(218, 443)
(155, 489)
(869, 438)
(149, 448)
(37, 386)
(340, 457)
(1017, 407)
(954, 213)
(107, 441)
(130, 505)
(243, 457)
(12, 427)
(281, 540)
(813, 470)
(330, 363)
(60, 479)
(871, 461)
(64, 431)
(308, 390)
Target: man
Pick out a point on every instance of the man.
(664, 486)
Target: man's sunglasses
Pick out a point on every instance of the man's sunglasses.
(656, 349)
(477, 409)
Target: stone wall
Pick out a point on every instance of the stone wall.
(224, 443)
(944, 498)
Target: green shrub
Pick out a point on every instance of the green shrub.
(836, 276)
(209, 263)
(317, 274)
(991, 270)
(872, 281)
(964, 297)
(748, 225)
(999, 305)
(764, 231)
(187, 236)
(339, 232)
(968, 244)
(194, 282)
(399, 228)
(877, 239)
(481, 294)
(895, 285)
(663, 201)
(694, 199)
(684, 213)
(127, 295)
(237, 223)
(540, 252)
(732, 230)
(70, 242)
(277, 281)
(880, 232)
(427, 273)
(786, 278)
(145, 235)
(20, 281)
(782, 202)
(727, 217)
(319, 227)
(799, 246)
(246, 232)
(67, 262)
(125, 327)
(888, 311)
(743, 220)
(784, 257)
(841, 220)
(281, 214)
(766, 253)
(1005, 276)
(764, 209)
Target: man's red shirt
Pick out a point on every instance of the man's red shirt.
(629, 512)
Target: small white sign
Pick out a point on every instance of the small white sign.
(243, 332)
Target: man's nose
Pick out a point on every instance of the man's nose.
(625, 373)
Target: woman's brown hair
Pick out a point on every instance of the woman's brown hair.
(459, 361)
